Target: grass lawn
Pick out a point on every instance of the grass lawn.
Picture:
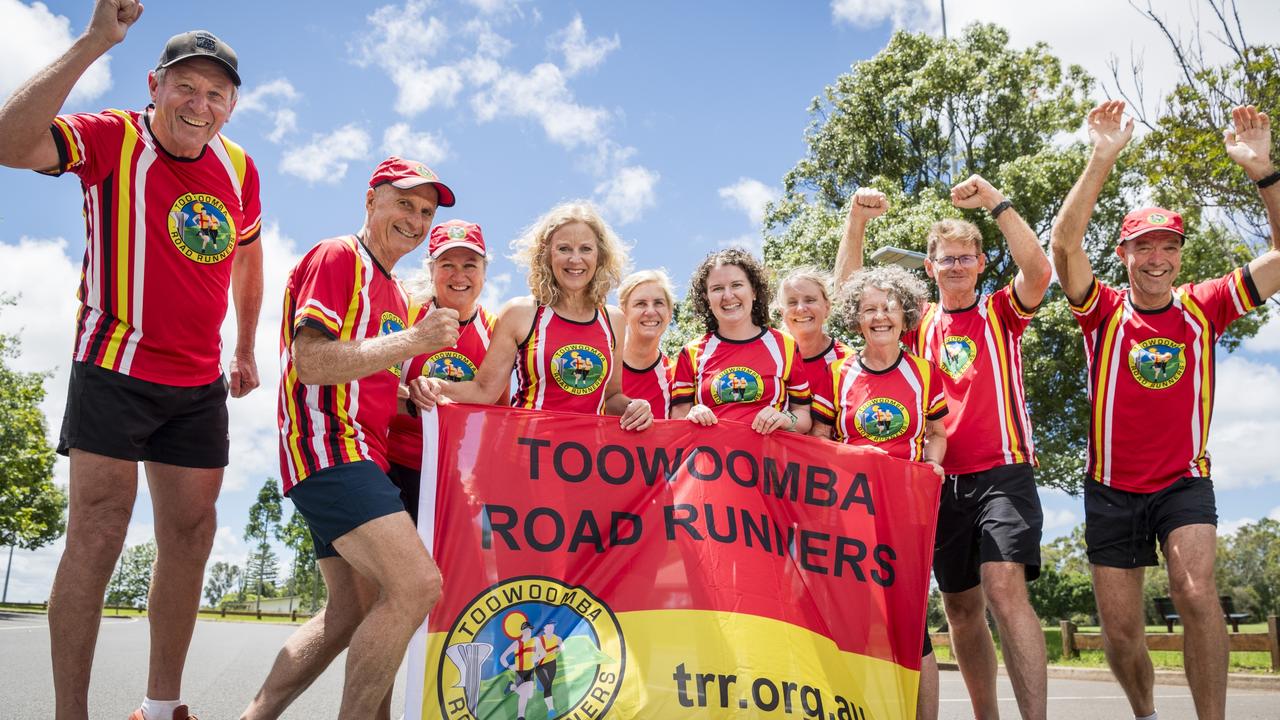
(1254, 662)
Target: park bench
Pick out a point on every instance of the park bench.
(1169, 614)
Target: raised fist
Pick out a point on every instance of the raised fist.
(112, 19)
(439, 329)
(868, 203)
(975, 192)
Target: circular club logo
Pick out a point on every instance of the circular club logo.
(449, 365)
(532, 647)
(1157, 363)
(391, 323)
(201, 228)
(579, 369)
(958, 353)
(882, 419)
(736, 384)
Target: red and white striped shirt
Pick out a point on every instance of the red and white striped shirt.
(888, 408)
(736, 378)
(652, 384)
(563, 364)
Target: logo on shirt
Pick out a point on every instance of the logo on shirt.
(578, 369)
(449, 365)
(201, 228)
(1157, 363)
(736, 384)
(391, 323)
(881, 419)
(958, 353)
(532, 636)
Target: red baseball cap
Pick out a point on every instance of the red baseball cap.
(452, 234)
(1149, 219)
(406, 174)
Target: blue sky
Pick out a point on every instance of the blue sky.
(680, 119)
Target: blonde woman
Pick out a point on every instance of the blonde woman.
(804, 301)
(647, 299)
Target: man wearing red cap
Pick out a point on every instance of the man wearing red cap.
(172, 214)
(1150, 355)
(344, 338)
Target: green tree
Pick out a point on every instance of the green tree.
(304, 579)
(264, 522)
(1249, 568)
(890, 122)
(223, 579)
(1064, 590)
(132, 579)
(32, 507)
(261, 574)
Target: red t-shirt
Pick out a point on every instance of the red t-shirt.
(816, 368)
(979, 351)
(339, 289)
(886, 408)
(563, 364)
(456, 364)
(161, 234)
(1151, 379)
(736, 378)
(652, 383)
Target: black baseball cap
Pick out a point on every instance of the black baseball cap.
(200, 43)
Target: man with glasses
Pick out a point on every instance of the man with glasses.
(989, 522)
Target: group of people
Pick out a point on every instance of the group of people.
(172, 211)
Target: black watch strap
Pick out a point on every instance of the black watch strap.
(1269, 180)
(1001, 207)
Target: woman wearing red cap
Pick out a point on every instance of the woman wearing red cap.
(561, 338)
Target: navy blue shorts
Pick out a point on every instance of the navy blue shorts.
(118, 416)
(1121, 528)
(339, 499)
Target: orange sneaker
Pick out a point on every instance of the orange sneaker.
(179, 713)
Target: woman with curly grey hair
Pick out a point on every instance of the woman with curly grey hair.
(741, 369)
(560, 339)
(885, 397)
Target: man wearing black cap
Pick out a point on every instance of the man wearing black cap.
(172, 215)
(1149, 351)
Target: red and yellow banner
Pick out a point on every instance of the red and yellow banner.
(681, 572)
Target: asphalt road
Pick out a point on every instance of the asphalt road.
(229, 660)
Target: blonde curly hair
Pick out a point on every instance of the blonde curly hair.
(532, 250)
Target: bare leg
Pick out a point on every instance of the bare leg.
(1021, 637)
(310, 650)
(975, 652)
(388, 551)
(927, 697)
(102, 494)
(185, 522)
(1191, 551)
(1124, 636)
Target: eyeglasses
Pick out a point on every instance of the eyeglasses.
(963, 260)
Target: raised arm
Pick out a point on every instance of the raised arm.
(1109, 134)
(1034, 272)
(25, 140)
(321, 360)
(867, 203)
(1249, 146)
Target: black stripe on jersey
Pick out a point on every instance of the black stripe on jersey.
(329, 408)
(303, 421)
(106, 276)
(537, 318)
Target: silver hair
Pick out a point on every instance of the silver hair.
(901, 286)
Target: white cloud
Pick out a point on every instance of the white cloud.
(1060, 519)
(495, 291)
(1246, 397)
(491, 7)
(750, 196)
(627, 194)
(326, 158)
(33, 37)
(752, 243)
(579, 52)
(272, 99)
(400, 139)
(1229, 527)
(542, 95)
(1268, 338)
(870, 13)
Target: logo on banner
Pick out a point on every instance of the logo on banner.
(958, 353)
(449, 365)
(532, 642)
(882, 419)
(391, 323)
(578, 369)
(1157, 363)
(201, 228)
(736, 384)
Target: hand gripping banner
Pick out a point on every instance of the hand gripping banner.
(680, 572)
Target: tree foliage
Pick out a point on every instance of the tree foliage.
(131, 581)
(304, 578)
(1249, 568)
(263, 567)
(224, 579)
(32, 507)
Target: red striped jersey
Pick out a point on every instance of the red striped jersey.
(736, 378)
(456, 364)
(979, 351)
(886, 408)
(652, 383)
(161, 233)
(564, 364)
(815, 368)
(339, 289)
(1151, 379)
